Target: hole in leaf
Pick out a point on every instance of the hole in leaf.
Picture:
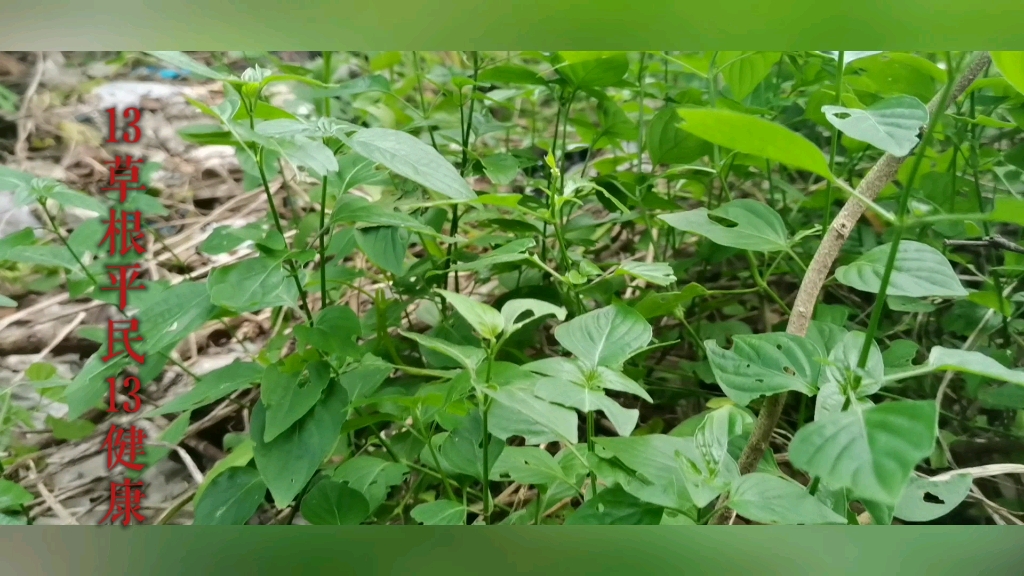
(841, 115)
(759, 380)
(789, 370)
(722, 221)
(778, 347)
(932, 498)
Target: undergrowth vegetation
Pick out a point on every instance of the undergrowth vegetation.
(591, 288)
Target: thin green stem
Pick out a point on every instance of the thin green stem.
(835, 142)
(879, 305)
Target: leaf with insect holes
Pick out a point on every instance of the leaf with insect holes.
(410, 157)
(916, 506)
(769, 499)
(872, 451)
(513, 310)
(764, 364)
(919, 271)
(289, 396)
(755, 136)
(605, 337)
(756, 226)
(892, 124)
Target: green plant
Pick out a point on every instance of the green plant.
(638, 228)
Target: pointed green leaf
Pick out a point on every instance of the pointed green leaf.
(231, 498)
(517, 411)
(924, 499)
(764, 364)
(892, 124)
(755, 226)
(755, 136)
(487, 321)
(615, 507)
(332, 503)
(440, 513)
(605, 337)
(410, 157)
(291, 459)
(871, 451)
(769, 499)
(513, 311)
(919, 271)
(1011, 66)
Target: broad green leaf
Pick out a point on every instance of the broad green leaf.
(352, 209)
(592, 69)
(385, 246)
(487, 321)
(332, 503)
(211, 387)
(668, 144)
(573, 370)
(742, 72)
(924, 499)
(467, 356)
(587, 399)
(764, 364)
(306, 153)
(335, 331)
(184, 62)
(755, 136)
(605, 337)
(371, 476)
(69, 429)
(252, 285)
(286, 397)
(919, 271)
(440, 513)
(410, 157)
(291, 459)
(656, 273)
(528, 465)
(517, 411)
(892, 124)
(6, 302)
(971, 362)
(231, 498)
(501, 168)
(755, 226)
(769, 499)
(240, 455)
(871, 451)
(1009, 210)
(662, 476)
(843, 360)
(56, 256)
(615, 507)
(657, 304)
(514, 309)
(12, 495)
(364, 379)
(1011, 66)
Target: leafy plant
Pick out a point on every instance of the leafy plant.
(579, 288)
